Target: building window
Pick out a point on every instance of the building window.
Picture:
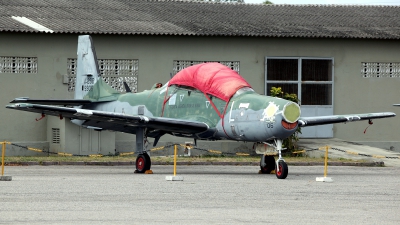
(113, 71)
(179, 65)
(380, 70)
(55, 132)
(310, 78)
(18, 64)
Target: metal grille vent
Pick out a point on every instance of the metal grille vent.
(380, 70)
(113, 71)
(18, 64)
(182, 64)
(55, 135)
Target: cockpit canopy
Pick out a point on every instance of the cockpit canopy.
(211, 78)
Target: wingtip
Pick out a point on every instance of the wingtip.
(20, 99)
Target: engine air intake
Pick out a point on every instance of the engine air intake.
(291, 112)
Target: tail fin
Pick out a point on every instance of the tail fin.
(89, 84)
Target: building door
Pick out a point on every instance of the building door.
(312, 80)
(89, 141)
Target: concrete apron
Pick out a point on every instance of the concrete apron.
(349, 147)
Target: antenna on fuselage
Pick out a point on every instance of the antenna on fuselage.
(127, 89)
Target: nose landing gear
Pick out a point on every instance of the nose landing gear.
(281, 166)
(268, 164)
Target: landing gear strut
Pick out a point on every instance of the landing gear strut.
(143, 162)
(268, 164)
(281, 170)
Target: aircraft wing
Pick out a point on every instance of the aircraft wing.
(65, 102)
(115, 121)
(322, 120)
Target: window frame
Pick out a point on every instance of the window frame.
(299, 81)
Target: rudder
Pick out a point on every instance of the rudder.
(89, 84)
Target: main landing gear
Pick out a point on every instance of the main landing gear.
(268, 164)
(143, 162)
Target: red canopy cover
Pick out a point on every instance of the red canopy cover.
(211, 78)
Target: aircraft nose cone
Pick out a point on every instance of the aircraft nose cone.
(291, 112)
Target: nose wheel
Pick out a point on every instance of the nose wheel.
(281, 170)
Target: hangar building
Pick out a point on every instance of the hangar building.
(339, 59)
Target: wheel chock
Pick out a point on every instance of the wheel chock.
(272, 172)
(145, 172)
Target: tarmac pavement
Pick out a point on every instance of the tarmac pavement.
(353, 149)
(207, 195)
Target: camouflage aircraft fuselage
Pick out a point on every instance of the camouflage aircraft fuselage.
(248, 116)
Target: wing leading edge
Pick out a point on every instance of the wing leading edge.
(65, 102)
(322, 120)
(115, 121)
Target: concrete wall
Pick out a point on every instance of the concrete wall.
(352, 94)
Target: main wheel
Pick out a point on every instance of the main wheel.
(143, 163)
(283, 170)
(148, 165)
(269, 164)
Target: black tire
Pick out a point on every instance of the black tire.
(283, 170)
(142, 163)
(269, 164)
(148, 165)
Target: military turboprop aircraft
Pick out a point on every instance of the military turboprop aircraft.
(207, 101)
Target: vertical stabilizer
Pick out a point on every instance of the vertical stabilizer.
(89, 84)
(87, 73)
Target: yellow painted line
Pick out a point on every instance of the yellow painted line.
(378, 156)
(242, 154)
(35, 149)
(126, 153)
(352, 153)
(64, 154)
(156, 149)
(297, 152)
(94, 155)
(214, 151)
